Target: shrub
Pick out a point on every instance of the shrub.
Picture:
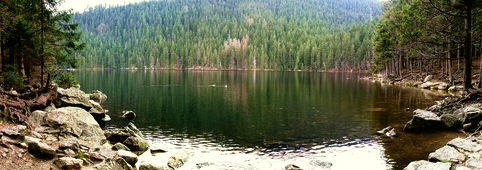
(66, 80)
(11, 79)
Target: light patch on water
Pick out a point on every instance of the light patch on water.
(209, 155)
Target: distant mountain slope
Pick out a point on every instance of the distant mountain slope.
(267, 34)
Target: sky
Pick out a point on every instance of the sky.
(82, 5)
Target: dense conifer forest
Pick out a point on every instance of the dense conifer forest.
(231, 34)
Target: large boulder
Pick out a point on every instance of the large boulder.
(39, 149)
(424, 121)
(426, 165)
(98, 96)
(72, 122)
(73, 97)
(447, 154)
(464, 115)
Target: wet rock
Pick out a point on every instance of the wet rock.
(178, 159)
(120, 146)
(130, 115)
(73, 97)
(424, 121)
(384, 130)
(130, 157)
(116, 136)
(465, 144)
(426, 165)
(68, 163)
(39, 149)
(292, 167)
(321, 164)
(136, 143)
(447, 154)
(392, 133)
(428, 78)
(98, 96)
(106, 118)
(203, 164)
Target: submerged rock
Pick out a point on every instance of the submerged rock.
(384, 130)
(447, 154)
(292, 167)
(178, 159)
(129, 115)
(424, 121)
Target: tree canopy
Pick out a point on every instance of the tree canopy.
(231, 34)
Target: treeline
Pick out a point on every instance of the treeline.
(418, 36)
(35, 39)
(231, 34)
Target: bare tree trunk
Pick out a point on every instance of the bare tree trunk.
(468, 47)
(42, 41)
(400, 62)
(480, 67)
(449, 65)
(458, 57)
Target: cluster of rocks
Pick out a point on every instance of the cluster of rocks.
(69, 134)
(427, 83)
(468, 118)
(459, 153)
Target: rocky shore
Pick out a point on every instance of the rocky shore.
(68, 135)
(457, 112)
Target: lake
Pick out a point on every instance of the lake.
(266, 120)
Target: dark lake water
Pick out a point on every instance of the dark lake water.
(266, 120)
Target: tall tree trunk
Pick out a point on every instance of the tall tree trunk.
(42, 43)
(480, 67)
(458, 57)
(468, 47)
(449, 65)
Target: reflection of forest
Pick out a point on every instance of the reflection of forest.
(268, 109)
(395, 102)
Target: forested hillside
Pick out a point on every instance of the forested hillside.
(439, 37)
(231, 34)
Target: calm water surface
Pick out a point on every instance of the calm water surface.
(266, 120)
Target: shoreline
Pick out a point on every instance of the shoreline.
(461, 112)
